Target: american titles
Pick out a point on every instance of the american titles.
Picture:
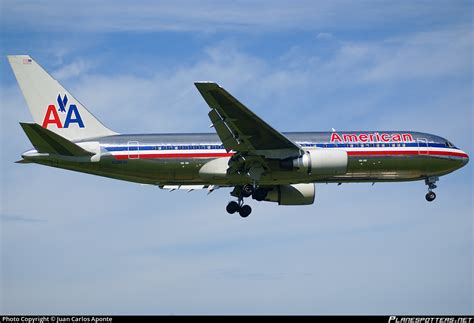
(371, 137)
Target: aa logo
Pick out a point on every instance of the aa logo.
(72, 114)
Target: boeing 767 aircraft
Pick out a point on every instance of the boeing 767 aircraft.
(246, 153)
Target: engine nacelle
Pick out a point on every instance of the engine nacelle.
(295, 194)
(319, 162)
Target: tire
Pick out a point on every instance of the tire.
(430, 196)
(260, 194)
(232, 207)
(245, 211)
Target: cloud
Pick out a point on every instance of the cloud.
(324, 36)
(73, 69)
(424, 55)
(214, 16)
(20, 218)
(368, 73)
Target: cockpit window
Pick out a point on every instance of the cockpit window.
(449, 144)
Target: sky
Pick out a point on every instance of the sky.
(73, 243)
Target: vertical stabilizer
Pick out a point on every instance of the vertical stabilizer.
(51, 105)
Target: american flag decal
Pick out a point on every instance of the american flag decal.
(27, 60)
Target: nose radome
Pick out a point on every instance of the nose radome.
(465, 159)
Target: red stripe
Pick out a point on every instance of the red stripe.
(406, 152)
(190, 155)
(350, 153)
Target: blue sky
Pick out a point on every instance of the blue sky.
(74, 243)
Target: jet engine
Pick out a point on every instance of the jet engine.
(318, 162)
(295, 194)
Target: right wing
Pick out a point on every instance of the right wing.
(241, 130)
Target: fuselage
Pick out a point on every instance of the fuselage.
(178, 159)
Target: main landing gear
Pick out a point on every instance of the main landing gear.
(242, 192)
(430, 181)
(244, 210)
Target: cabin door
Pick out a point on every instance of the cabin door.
(133, 150)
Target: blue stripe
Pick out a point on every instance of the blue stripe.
(165, 148)
(373, 145)
(319, 145)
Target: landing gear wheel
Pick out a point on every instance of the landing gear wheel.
(260, 194)
(247, 190)
(430, 196)
(245, 211)
(430, 181)
(232, 207)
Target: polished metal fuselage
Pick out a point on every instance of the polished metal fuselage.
(176, 159)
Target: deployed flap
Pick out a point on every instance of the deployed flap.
(188, 188)
(46, 141)
(240, 129)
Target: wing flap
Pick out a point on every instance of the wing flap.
(224, 131)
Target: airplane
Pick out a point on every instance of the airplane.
(245, 154)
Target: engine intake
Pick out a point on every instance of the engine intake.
(319, 162)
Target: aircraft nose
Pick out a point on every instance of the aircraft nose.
(465, 159)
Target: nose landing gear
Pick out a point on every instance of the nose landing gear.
(430, 181)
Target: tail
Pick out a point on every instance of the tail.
(51, 105)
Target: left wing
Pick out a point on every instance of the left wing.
(241, 130)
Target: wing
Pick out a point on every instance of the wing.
(241, 130)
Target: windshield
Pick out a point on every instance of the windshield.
(449, 144)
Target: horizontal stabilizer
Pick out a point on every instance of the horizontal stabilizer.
(46, 141)
(23, 161)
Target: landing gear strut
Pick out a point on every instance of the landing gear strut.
(430, 181)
